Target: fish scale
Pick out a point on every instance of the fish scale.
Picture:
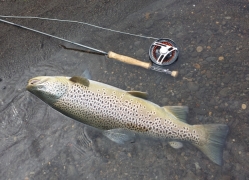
(120, 112)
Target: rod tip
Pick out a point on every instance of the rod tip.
(174, 73)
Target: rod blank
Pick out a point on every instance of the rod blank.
(46, 34)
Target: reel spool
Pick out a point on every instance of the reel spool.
(163, 52)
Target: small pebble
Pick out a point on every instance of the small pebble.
(199, 49)
(221, 58)
(197, 66)
(243, 106)
(197, 166)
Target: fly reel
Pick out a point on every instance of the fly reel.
(163, 52)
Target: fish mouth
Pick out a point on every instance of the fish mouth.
(36, 81)
(33, 81)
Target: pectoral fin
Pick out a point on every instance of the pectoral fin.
(86, 74)
(143, 95)
(119, 135)
(80, 80)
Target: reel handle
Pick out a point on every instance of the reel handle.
(128, 60)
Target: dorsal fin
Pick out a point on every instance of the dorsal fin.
(80, 80)
(180, 112)
(143, 95)
(120, 135)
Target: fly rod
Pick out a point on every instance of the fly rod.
(162, 52)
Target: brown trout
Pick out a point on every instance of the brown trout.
(122, 113)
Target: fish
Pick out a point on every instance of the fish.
(122, 114)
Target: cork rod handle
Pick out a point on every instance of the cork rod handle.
(128, 60)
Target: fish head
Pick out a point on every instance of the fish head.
(48, 88)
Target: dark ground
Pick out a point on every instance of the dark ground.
(36, 142)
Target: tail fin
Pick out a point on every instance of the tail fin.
(216, 136)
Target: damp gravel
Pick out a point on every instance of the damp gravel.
(37, 142)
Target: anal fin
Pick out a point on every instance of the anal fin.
(180, 112)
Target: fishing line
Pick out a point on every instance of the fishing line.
(79, 22)
(162, 51)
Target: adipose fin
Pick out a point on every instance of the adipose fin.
(175, 144)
